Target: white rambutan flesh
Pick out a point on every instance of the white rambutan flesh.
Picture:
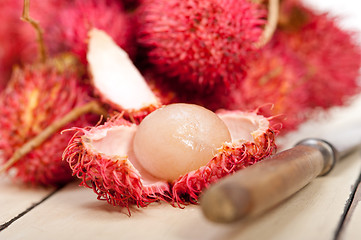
(115, 77)
(178, 138)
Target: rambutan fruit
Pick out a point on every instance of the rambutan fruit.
(330, 55)
(275, 77)
(200, 43)
(310, 63)
(77, 18)
(37, 96)
(114, 159)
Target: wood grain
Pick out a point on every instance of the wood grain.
(17, 198)
(351, 225)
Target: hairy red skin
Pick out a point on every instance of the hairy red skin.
(200, 43)
(112, 178)
(77, 18)
(36, 96)
(330, 55)
(115, 180)
(275, 78)
(310, 63)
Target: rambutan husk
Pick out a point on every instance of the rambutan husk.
(200, 43)
(38, 96)
(113, 178)
(120, 180)
(309, 65)
(330, 55)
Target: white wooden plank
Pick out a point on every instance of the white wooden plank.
(313, 213)
(16, 198)
(351, 229)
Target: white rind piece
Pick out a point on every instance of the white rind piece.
(114, 75)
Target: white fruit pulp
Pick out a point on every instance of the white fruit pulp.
(177, 139)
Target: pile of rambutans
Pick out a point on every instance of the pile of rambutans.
(157, 99)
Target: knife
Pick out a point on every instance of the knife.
(255, 189)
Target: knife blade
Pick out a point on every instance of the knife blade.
(253, 190)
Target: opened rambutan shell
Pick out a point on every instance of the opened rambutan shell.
(200, 43)
(103, 157)
(36, 96)
(113, 177)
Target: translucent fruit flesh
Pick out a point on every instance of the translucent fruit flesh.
(177, 139)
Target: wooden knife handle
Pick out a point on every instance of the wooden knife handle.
(255, 189)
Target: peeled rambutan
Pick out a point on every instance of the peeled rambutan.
(37, 96)
(77, 18)
(200, 43)
(113, 161)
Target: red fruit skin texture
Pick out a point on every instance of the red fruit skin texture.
(331, 57)
(36, 96)
(112, 178)
(310, 64)
(18, 42)
(200, 43)
(274, 78)
(117, 182)
(77, 18)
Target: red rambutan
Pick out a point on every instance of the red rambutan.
(275, 77)
(330, 55)
(110, 158)
(201, 43)
(37, 96)
(309, 63)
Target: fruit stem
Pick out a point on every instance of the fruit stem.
(272, 19)
(26, 17)
(92, 106)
